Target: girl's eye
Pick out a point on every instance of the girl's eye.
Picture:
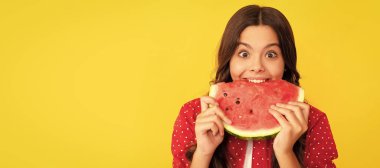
(243, 54)
(271, 54)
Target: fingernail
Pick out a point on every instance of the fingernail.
(272, 107)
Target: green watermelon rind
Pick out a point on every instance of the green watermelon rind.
(253, 138)
(256, 135)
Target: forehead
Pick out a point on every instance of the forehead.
(258, 36)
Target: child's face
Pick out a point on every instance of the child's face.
(258, 56)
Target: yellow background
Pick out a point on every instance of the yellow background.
(100, 83)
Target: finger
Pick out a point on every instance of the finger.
(214, 128)
(204, 128)
(279, 117)
(294, 115)
(221, 114)
(305, 108)
(213, 118)
(302, 104)
(289, 115)
(208, 111)
(296, 110)
(206, 101)
(217, 111)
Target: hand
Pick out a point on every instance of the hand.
(209, 129)
(293, 118)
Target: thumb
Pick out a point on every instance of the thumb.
(207, 102)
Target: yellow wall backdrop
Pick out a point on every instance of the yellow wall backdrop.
(99, 83)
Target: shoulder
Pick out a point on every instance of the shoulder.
(183, 136)
(315, 112)
(192, 105)
(319, 130)
(316, 117)
(320, 147)
(191, 108)
(188, 112)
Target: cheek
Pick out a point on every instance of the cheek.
(278, 74)
(235, 69)
(277, 70)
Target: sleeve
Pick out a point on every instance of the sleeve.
(320, 148)
(183, 136)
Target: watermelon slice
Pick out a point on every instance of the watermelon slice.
(246, 104)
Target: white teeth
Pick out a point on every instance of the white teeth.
(256, 81)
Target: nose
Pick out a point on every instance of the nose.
(256, 65)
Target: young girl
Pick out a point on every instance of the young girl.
(257, 45)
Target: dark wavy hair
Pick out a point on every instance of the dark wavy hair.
(254, 15)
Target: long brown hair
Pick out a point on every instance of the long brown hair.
(254, 15)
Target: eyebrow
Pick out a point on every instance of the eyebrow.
(249, 46)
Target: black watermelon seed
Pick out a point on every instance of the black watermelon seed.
(237, 102)
(227, 109)
(251, 111)
(225, 94)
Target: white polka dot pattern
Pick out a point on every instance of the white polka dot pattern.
(320, 147)
(183, 136)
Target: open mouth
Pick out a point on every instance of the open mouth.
(257, 80)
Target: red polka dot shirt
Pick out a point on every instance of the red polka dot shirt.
(320, 148)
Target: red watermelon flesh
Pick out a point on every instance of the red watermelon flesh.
(247, 104)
